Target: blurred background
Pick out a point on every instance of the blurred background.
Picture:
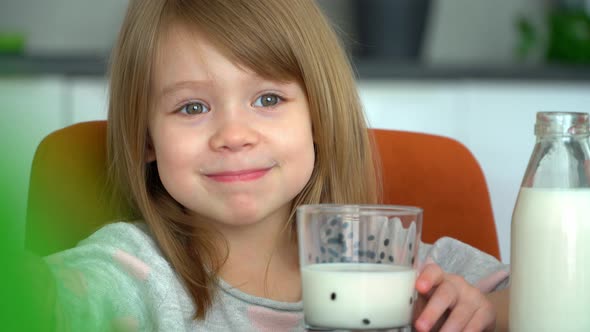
(473, 70)
(433, 32)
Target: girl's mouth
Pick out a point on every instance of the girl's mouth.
(240, 175)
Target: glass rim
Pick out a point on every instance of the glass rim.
(362, 209)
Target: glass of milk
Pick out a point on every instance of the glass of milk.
(359, 265)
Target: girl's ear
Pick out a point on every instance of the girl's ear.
(150, 152)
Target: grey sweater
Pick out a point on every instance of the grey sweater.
(118, 280)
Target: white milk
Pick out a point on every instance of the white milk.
(353, 296)
(550, 257)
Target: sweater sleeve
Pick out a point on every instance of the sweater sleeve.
(105, 283)
(478, 268)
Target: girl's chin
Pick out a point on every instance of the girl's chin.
(245, 213)
(234, 219)
(243, 219)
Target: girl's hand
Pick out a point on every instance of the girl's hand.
(449, 303)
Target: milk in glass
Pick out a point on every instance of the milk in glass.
(358, 265)
(358, 295)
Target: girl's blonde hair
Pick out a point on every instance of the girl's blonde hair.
(278, 39)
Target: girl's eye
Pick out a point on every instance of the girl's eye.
(194, 108)
(267, 100)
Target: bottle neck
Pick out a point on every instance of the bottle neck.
(561, 138)
(559, 161)
(561, 157)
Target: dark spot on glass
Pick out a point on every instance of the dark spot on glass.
(410, 246)
(339, 240)
(371, 237)
(382, 256)
(334, 222)
(391, 259)
(378, 262)
(386, 242)
(334, 240)
(413, 260)
(332, 252)
(366, 321)
(411, 300)
(328, 232)
(333, 296)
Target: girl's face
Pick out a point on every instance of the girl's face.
(230, 146)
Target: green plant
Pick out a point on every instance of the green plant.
(569, 36)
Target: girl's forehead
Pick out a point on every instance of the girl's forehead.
(185, 50)
(177, 36)
(185, 54)
(173, 35)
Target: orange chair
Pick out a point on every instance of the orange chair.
(67, 198)
(443, 177)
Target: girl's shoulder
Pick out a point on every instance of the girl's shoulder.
(127, 245)
(130, 236)
(117, 273)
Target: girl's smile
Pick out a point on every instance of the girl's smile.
(239, 175)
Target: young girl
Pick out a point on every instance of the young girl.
(224, 116)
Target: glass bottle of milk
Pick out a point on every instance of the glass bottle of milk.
(550, 235)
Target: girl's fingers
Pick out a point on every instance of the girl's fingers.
(469, 300)
(484, 319)
(444, 297)
(431, 276)
(450, 302)
(472, 311)
(460, 316)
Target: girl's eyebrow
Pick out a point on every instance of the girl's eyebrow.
(171, 88)
(181, 85)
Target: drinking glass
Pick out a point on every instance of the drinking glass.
(358, 265)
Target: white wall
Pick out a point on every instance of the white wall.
(29, 110)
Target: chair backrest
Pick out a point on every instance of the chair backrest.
(442, 176)
(67, 198)
(68, 201)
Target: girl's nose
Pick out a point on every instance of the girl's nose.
(234, 136)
